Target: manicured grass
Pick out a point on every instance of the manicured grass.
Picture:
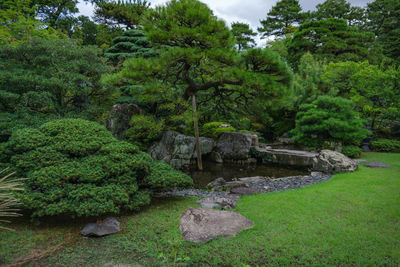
(351, 220)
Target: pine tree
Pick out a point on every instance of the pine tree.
(282, 19)
(244, 35)
(333, 40)
(340, 9)
(384, 21)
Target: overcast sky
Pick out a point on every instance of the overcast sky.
(249, 11)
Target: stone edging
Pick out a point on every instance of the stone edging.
(261, 187)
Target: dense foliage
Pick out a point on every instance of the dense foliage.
(75, 167)
(386, 145)
(328, 119)
(282, 19)
(244, 35)
(144, 130)
(333, 40)
(132, 43)
(45, 79)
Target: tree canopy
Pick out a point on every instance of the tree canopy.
(333, 40)
(384, 21)
(120, 13)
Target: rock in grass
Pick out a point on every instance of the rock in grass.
(377, 165)
(329, 161)
(107, 227)
(217, 202)
(202, 225)
(244, 191)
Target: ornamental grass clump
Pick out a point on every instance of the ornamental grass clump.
(8, 201)
(76, 167)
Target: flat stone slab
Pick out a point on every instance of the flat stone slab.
(376, 165)
(107, 227)
(285, 156)
(244, 190)
(202, 225)
(217, 202)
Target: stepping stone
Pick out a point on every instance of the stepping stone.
(243, 191)
(358, 161)
(107, 227)
(377, 165)
(217, 202)
(202, 225)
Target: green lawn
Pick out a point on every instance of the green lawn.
(351, 220)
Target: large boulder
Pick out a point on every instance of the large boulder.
(107, 227)
(120, 116)
(235, 146)
(329, 161)
(178, 150)
(202, 225)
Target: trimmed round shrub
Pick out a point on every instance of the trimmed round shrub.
(352, 151)
(214, 129)
(144, 130)
(329, 119)
(385, 145)
(77, 168)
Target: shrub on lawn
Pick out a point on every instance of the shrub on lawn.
(352, 151)
(214, 129)
(76, 167)
(385, 145)
(328, 119)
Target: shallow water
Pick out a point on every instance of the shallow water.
(231, 171)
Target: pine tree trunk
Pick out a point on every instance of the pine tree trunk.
(196, 134)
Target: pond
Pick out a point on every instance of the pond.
(231, 171)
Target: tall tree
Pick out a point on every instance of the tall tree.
(200, 62)
(340, 9)
(333, 40)
(384, 21)
(120, 13)
(282, 19)
(244, 35)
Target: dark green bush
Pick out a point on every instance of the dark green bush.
(352, 151)
(144, 130)
(76, 167)
(214, 129)
(328, 119)
(385, 145)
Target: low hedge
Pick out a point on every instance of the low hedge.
(385, 145)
